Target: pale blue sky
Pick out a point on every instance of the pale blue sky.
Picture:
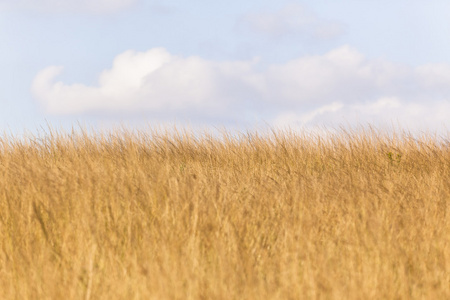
(294, 63)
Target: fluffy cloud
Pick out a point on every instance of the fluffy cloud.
(293, 19)
(154, 81)
(339, 86)
(91, 6)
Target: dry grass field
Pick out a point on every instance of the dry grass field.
(360, 214)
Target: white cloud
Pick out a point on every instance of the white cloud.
(91, 6)
(339, 86)
(390, 111)
(154, 81)
(293, 19)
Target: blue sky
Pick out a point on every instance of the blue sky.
(227, 63)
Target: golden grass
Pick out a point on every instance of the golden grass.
(357, 215)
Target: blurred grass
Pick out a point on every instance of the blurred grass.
(274, 215)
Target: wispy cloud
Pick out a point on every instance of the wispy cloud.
(341, 85)
(79, 6)
(410, 115)
(292, 20)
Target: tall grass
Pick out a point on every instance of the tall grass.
(278, 215)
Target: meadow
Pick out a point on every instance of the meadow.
(355, 214)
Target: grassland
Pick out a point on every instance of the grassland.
(280, 215)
